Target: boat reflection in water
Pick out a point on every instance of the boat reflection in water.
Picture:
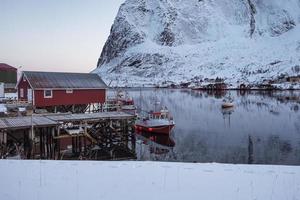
(154, 144)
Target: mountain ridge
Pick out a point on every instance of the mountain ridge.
(163, 42)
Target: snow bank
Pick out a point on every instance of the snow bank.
(43, 180)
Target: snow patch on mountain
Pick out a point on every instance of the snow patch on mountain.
(178, 41)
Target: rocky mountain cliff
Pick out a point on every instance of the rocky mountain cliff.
(178, 41)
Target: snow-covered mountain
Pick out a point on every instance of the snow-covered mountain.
(177, 41)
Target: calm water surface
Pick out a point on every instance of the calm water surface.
(263, 128)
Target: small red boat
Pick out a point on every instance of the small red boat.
(156, 122)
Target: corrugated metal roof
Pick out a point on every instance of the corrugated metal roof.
(9, 85)
(25, 122)
(64, 80)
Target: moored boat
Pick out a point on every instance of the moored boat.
(121, 101)
(162, 126)
(156, 122)
(227, 105)
(227, 102)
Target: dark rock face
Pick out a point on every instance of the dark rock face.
(280, 22)
(252, 19)
(141, 62)
(120, 38)
(167, 38)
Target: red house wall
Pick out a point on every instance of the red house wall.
(23, 84)
(60, 97)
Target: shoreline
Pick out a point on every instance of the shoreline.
(187, 88)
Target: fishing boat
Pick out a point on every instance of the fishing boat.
(227, 103)
(156, 122)
(121, 101)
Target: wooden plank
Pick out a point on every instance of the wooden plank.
(90, 116)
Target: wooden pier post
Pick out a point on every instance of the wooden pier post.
(110, 135)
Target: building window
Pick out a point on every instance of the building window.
(21, 92)
(47, 93)
(69, 91)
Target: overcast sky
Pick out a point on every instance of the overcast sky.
(55, 35)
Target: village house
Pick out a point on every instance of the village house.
(8, 76)
(60, 91)
(293, 79)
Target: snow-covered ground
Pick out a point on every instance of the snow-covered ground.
(3, 108)
(43, 180)
(11, 95)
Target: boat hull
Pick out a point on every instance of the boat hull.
(227, 105)
(165, 129)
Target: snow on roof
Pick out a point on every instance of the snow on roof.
(64, 80)
(2, 109)
(48, 180)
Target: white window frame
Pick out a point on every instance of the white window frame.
(29, 94)
(70, 91)
(21, 93)
(48, 97)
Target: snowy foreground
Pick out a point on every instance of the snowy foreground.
(145, 180)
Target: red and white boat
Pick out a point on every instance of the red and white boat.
(156, 122)
(121, 102)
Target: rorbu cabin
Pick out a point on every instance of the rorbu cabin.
(61, 92)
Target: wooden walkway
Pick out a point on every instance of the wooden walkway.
(52, 120)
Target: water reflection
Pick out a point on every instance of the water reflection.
(157, 146)
(262, 128)
(160, 139)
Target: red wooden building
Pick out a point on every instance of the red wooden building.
(59, 91)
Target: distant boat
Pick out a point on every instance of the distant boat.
(121, 97)
(156, 122)
(227, 105)
(198, 88)
(227, 102)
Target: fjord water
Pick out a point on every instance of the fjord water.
(262, 128)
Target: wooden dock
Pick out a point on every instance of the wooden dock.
(93, 136)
